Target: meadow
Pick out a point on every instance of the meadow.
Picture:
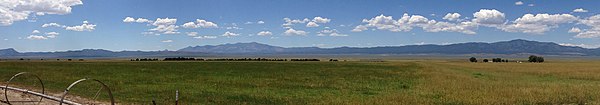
(352, 82)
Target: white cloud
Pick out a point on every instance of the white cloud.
(149, 33)
(258, 22)
(407, 23)
(52, 25)
(382, 22)
(83, 27)
(52, 34)
(138, 20)
(17, 10)
(165, 26)
(332, 32)
(142, 20)
(539, 23)
(36, 37)
(580, 10)
(192, 33)
(128, 19)
(35, 32)
(164, 22)
(289, 22)
(452, 16)
(579, 45)
(167, 41)
(489, 17)
(264, 33)
(594, 31)
(531, 5)
(359, 28)
(321, 20)
(230, 34)
(291, 31)
(200, 24)
(574, 30)
(462, 27)
(205, 37)
(312, 24)
(519, 3)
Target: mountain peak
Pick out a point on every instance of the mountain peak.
(249, 47)
(8, 51)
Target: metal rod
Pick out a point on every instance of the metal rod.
(40, 95)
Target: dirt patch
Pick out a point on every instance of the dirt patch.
(15, 96)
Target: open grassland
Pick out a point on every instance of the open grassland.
(397, 82)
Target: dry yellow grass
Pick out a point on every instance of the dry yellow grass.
(447, 82)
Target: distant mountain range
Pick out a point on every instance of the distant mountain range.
(518, 46)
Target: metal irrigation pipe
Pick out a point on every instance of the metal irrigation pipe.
(112, 100)
(19, 74)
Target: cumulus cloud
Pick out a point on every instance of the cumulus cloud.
(230, 34)
(359, 28)
(579, 45)
(164, 21)
(52, 25)
(35, 32)
(36, 37)
(289, 22)
(321, 20)
(312, 24)
(519, 3)
(580, 10)
(17, 10)
(52, 34)
(199, 23)
(167, 41)
(539, 23)
(192, 33)
(258, 22)
(332, 32)
(574, 30)
(264, 33)
(452, 16)
(128, 20)
(205, 37)
(86, 26)
(165, 26)
(408, 22)
(594, 31)
(138, 20)
(292, 31)
(489, 17)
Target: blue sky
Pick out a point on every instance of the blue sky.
(340, 23)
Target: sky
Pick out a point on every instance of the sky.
(150, 25)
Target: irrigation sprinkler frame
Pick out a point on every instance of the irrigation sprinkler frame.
(42, 95)
(112, 100)
(7, 101)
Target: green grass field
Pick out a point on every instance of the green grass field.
(395, 82)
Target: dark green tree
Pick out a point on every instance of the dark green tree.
(473, 59)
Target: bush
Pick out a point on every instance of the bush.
(473, 59)
(537, 59)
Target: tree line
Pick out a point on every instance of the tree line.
(223, 59)
(532, 58)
